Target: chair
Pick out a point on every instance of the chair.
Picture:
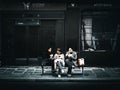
(81, 63)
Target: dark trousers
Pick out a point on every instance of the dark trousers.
(47, 61)
(69, 63)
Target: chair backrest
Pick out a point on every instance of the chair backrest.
(82, 61)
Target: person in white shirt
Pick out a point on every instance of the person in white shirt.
(59, 61)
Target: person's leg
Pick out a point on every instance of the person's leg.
(55, 64)
(44, 62)
(62, 65)
(62, 62)
(69, 64)
(59, 64)
(52, 65)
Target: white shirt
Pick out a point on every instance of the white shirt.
(61, 56)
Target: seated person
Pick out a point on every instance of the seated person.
(71, 60)
(59, 61)
(48, 58)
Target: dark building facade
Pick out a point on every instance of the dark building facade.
(90, 27)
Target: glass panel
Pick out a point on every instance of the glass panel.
(100, 30)
(87, 34)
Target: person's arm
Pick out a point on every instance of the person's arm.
(62, 57)
(51, 56)
(74, 56)
(55, 56)
(66, 55)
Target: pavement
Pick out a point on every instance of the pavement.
(16, 77)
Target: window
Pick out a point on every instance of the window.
(100, 30)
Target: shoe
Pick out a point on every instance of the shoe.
(73, 66)
(69, 75)
(59, 76)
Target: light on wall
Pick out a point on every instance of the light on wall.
(72, 4)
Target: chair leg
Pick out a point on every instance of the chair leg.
(42, 70)
(82, 70)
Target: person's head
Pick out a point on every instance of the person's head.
(59, 51)
(70, 50)
(49, 49)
